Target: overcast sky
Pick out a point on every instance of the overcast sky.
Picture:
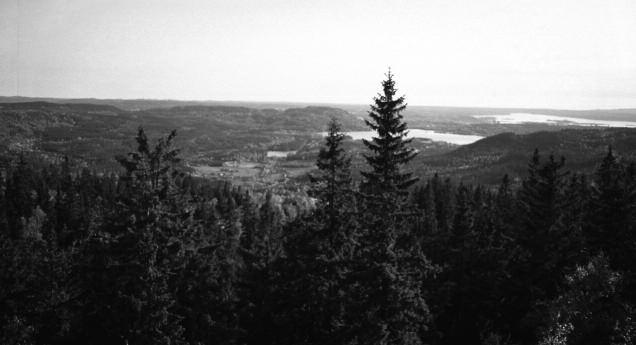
(535, 53)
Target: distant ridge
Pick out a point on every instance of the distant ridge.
(412, 111)
(145, 104)
(52, 106)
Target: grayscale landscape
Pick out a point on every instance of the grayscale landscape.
(347, 173)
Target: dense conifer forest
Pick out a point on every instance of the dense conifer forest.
(152, 255)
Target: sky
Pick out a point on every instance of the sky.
(573, 54)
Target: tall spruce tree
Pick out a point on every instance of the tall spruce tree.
(389, 149)
(389, 267)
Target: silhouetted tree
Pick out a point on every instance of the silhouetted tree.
(389, 148)
(390, 266)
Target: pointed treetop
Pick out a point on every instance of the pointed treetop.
(388, 85)
(390, 150)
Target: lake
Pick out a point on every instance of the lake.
(458, 139)
(279, 154)
(520, 118)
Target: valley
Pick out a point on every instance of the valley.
(259, 147)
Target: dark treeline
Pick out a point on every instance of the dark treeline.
(154, 256)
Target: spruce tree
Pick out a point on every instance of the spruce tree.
(444, 202)
(540, 195)
(427, 232)
(613, 210)
(389, 149)
(504, 206)
(261, 248)
(548, 244)
(332, 183)
(389, 267)
(318, 250)
(129, 262)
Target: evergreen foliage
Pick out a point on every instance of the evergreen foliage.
(319, 251)
(333, 186)
(389, 264)
(389, 150)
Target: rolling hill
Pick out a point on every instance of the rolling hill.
(486, 160)
(95, 133)
(210, 135)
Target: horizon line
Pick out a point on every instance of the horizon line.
(309, 103)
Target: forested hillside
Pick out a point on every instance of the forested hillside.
(152, 255)
(484, 161)
(93, 134)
